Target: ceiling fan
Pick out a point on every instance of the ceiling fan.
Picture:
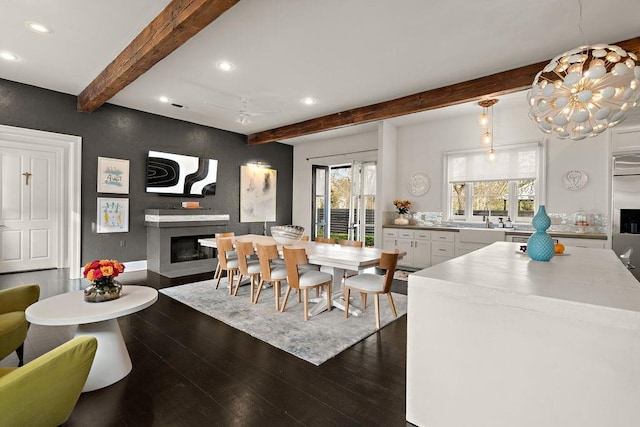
(244, 113)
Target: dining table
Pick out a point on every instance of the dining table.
(333, 256)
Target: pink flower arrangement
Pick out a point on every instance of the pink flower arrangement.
(403, 206)
(102, 269)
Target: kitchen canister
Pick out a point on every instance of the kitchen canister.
(541, 246)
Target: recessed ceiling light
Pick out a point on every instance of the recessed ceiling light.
(308, 100)
(164, 99)
(8, 56)
(38, 28)
(224, 66)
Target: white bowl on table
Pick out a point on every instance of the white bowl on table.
(287, 234)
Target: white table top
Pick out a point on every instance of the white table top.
(582, 279)
(71, 308)
(325, 254)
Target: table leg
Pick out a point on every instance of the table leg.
(112, 362)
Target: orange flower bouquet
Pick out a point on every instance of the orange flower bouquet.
(403, 206)
(101, 273)
(102, 269)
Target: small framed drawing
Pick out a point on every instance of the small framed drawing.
(113, 215)
(113, 175)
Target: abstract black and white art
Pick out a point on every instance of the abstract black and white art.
(180, 175)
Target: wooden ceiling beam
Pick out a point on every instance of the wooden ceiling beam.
(177, 23)
(494, 85)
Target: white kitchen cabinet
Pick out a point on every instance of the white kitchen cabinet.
(443, 246)
(471, 239)
(416, 243)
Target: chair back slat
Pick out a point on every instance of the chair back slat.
(354, 243)
(244, 249)
(292, 258)
(223, 235)
(265, 254)
(388, 261)
(224, 245)
(325, 240)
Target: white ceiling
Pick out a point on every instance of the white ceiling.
(345, 53)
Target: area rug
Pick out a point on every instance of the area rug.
(402, 275)
(319, 339)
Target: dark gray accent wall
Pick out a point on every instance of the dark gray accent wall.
(123, 133)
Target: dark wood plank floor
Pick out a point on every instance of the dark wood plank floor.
(192, 370)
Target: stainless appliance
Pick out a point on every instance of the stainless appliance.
(626, 207)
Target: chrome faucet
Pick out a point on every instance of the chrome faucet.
(487, 222)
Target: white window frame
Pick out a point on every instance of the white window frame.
(539, 185)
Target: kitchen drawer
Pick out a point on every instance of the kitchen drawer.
(405, 234)
(443, 249)
(390, 232)
(443, 236)
(422, 235)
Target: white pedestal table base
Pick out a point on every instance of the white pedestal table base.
(112, 362)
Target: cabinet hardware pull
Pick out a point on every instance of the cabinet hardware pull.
(442, 250)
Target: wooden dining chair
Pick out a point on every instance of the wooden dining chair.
(325, 240)
(270, 272)
(247, 266)
(304, 279)
(231, 254)
(224, 246)
(368, 283)
(353, 243)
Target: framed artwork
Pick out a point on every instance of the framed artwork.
(113, 215)
(257, 194)
(113, 175)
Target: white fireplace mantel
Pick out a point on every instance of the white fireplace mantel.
(182, 217)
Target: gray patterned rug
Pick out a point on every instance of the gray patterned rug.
(317, 340)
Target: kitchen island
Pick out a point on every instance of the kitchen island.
(496, 339)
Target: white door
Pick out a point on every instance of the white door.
(29, 202)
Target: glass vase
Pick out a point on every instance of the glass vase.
(402, 219)
(540, 245)
(105, 289)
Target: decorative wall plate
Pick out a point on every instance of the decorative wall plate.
(418, 184)
(575, 180)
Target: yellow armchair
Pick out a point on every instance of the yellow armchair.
(13, 324)
(44, 391)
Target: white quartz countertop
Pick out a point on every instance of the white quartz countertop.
(581, 281)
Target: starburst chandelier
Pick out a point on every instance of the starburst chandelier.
(584, 91)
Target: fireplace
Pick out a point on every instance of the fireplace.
(172, 240)
(187, 248)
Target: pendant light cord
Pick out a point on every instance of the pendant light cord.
(584, 38)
